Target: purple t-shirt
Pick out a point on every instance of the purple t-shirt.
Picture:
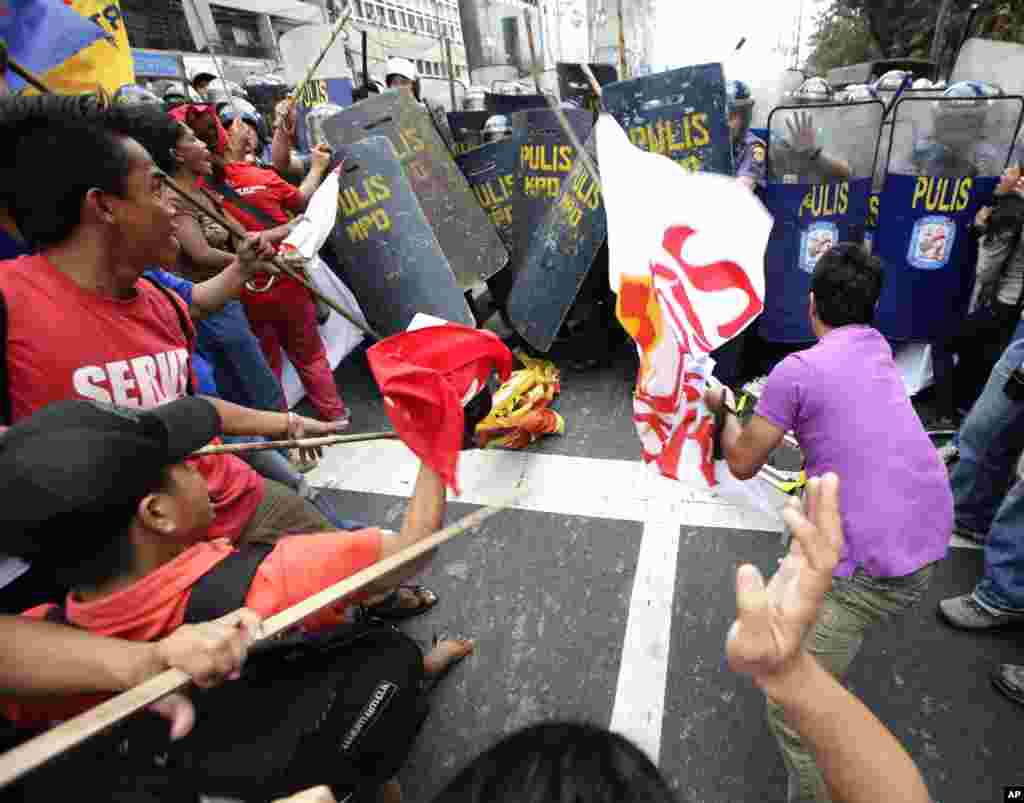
(846, 403)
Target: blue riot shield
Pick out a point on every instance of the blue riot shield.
(546, 157)
(387, 251)
(559, 257)
(944, 161)
(468, 240)
(490, 171)
(320, 98)
(509, 104)
(817, 197)
(680, 114)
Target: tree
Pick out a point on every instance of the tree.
(841, 37)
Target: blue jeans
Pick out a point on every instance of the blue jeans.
(991, 440)
(239, 367)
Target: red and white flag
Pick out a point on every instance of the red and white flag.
(686, 259)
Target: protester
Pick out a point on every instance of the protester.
(121, 478)
(226, 340)
(861, 760)
(98, 224)
(1000, 295)
(201, 82)
(280, 310)
(989, 498)
(846, 402)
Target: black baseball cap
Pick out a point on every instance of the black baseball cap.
(75, 471)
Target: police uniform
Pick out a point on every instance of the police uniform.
(751, 159)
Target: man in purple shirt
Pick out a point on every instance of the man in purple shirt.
(845, 401)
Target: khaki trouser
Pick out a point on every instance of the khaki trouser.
(852, 606)
(279, 512)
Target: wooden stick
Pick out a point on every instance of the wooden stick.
(341, 23)
(294, 443)
(29, 77)
(592, 80)
(239, 232)
(36, 752)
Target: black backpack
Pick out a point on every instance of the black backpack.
(340, 708)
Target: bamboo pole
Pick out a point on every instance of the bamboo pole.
(341, 23)
(29, 77)
(294, 443)
(239, 232)
(32, 754)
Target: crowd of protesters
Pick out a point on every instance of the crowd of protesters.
(164, 331)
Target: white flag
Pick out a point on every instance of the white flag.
(686, 258)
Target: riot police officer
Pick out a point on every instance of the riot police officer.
(131, 94)
(796, 156)
(749, 151)
(957, 146)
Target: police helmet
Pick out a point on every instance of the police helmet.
(131, 94)
(856, 93)
(813, 91)
(235, 107)
(497, 127)
(737, 96)
(961, 111)
(922, 83)
(891, 81)
(174, 96)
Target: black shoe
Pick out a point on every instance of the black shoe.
(1009, 679)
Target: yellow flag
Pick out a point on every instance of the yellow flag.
(106, 62)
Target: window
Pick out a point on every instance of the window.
(359, 8)
(419, 66)
(241, 36)
(391, 16)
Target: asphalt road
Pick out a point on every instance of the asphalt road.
(606, 596)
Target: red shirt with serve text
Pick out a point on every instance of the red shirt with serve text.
(65, 342)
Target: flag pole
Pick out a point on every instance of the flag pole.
(341, 23)
(29, 77)
(239, 232)
(293, 443)
(34, 753)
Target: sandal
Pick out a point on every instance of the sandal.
(431, 683)
(391, 606)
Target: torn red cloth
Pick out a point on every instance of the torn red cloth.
(426, 376)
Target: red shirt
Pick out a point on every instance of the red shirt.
(271, 194)
(153, 607)
(263, 189)
(64, 342)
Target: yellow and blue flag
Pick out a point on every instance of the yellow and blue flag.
(73, 45)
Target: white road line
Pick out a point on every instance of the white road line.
(639, 706)
(573, 486)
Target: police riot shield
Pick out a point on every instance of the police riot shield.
(680, 114)
(818, 198)
(546, 156)
(467, 130)
(320, 99)
(559, 257)
(387, 250)
(944, 162)
(469, 241)
(491, 171)
(497, 103)
(769, 90)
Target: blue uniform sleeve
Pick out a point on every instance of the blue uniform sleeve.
(751, 162)
(183, 287)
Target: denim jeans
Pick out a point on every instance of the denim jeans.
(991, 440)
(239, 367)
(852, 607)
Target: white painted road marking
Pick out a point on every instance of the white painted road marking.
(639, 707)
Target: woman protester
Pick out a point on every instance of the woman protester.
(999, 293)
(280, 310)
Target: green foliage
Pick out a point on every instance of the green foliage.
(841, 37)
